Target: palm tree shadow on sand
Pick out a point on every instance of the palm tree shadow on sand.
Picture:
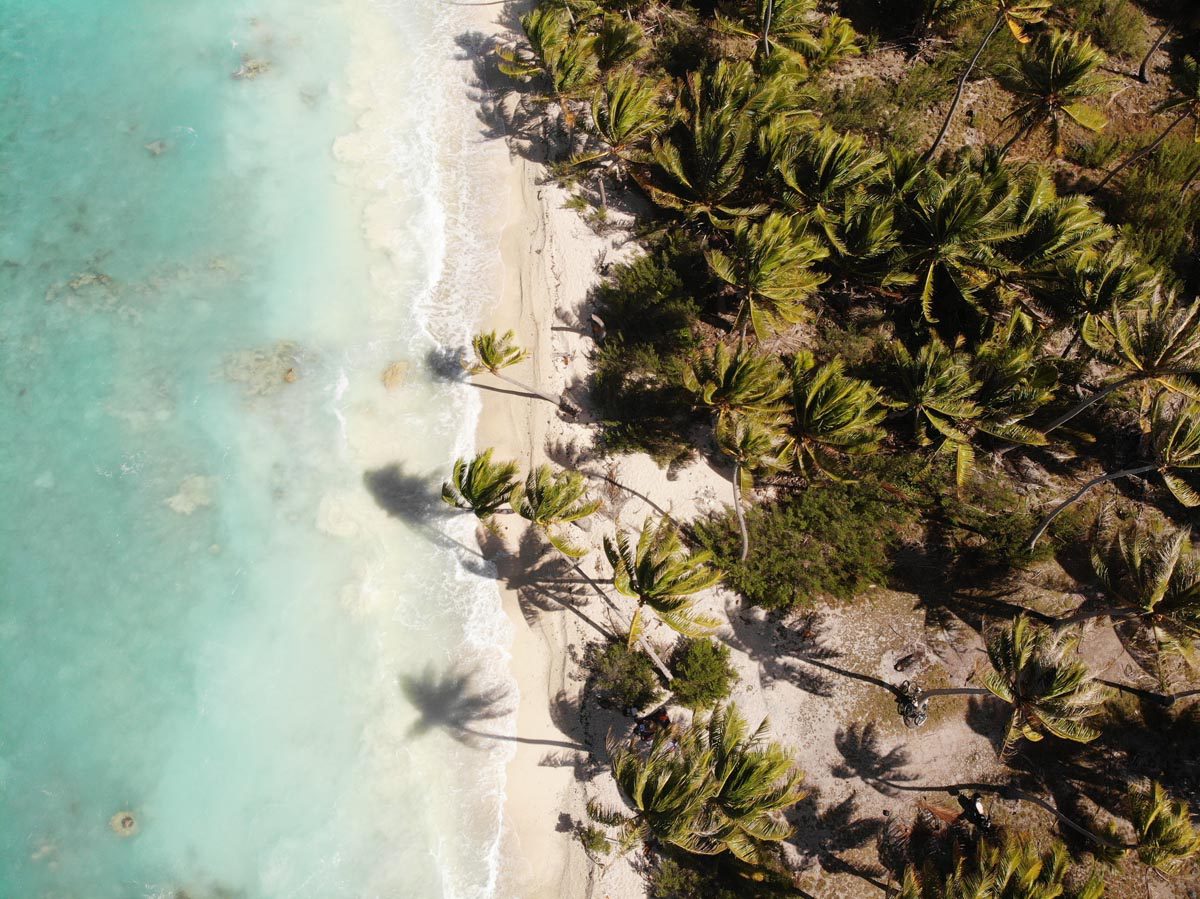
(451, 702)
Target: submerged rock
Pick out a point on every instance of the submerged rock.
(262, 372)
(395, 375)
(252, 67)
(124, 824)
(193, 494)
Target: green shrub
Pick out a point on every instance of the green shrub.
(830, 540)
(621, 677)
(1115, 26)
(990, 526)
(651, 318)
(1158, 220)
(703, 673)
(676, 875)
(671, 880)
(594, 840)
(1101, 152)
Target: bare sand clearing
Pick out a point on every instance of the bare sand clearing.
(845, 730)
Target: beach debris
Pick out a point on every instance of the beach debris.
(395, 375)
(252, 67)
(599, 331)
(157, 147)
(193, 494)
(124, 824)
(290, 376)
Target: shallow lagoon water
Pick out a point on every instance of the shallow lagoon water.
(229, 604)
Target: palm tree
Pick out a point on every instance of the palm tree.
(834, 413)
(1094, 283)
(1012, 867)
(1152, 576)
(1014, 13)
(936, 388)
(1033, 674)
(756, 781)
(661, 574)
(1175, 452)
(1052, 79)
(496, 352)
(667, 789)
(1184, 100)
(820, 170)
(1048, 690)
(837, 40)
(866, 239)
(480, 485)
(741, 381)
(563, 57)
(939, 390)
(618, 41)
(708, 788)
(1056, 231)
(778, 26)
(1156, 344)
(950, 231)
(1166, 837)
(701, 160)
(626, 114)
(548, 499)
(769, 264)
(1015, 381)
(754, 444)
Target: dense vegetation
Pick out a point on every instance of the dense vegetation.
(926, 290)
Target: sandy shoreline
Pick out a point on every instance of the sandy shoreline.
(539, 860)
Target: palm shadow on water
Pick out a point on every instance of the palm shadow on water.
(507, 109)
(416, 500)
(451, 702)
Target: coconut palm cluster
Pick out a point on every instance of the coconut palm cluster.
(820, 299)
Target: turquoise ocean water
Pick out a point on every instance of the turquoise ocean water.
(220, 590)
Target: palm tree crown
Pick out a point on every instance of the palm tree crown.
(659, 572)
(708, 788)
(738, 381)
(756, 780)
(1052, 79)
(1152, 573)
(1048, 690)
(1166, 837)
(769, 263)
(833, 413)
(480, 485)
(494, 352)
(548, 498)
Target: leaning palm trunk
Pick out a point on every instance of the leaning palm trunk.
(642, 642)
(1144, 152)
(1093, 398)
(1075, 497)
(1007, 792)
(1158, 42)
(962, 84)
(561, 402)
(739, 511)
